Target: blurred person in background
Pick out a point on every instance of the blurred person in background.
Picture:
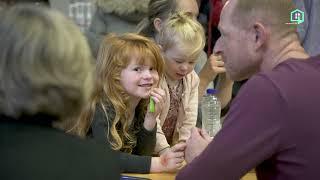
(45, 80)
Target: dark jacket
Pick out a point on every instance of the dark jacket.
(140, 159)
(31, 149)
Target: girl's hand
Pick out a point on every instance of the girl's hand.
(173, 159)
(170, 161)
(158, 96)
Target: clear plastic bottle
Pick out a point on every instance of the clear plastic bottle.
(211, 110)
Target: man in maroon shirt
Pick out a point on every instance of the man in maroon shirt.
(274, 122)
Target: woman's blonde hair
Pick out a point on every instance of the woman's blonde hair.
(115, 53)
(44, 64)
(180, 29)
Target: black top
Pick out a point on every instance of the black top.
(36, 151)
(140, 159)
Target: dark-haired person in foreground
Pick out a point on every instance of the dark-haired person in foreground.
(45, 79)
(273, 123)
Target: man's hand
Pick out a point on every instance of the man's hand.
(197, 142)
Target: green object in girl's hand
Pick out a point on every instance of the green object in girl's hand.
(151, 105)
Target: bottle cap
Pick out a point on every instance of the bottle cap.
(211, 91)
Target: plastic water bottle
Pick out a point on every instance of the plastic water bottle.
(211, 110)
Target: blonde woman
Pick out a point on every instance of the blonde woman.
(128, 71)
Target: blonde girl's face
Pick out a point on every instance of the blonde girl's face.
(177, 64)
(138, 79)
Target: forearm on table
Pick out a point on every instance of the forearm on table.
(161, 143)
(130, 163)
(156, 166)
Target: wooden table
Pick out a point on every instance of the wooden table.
(171, 176)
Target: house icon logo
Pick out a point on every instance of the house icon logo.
(297, 17)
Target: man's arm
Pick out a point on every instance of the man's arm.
(249, 135)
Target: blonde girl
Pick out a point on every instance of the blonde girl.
(181, 38)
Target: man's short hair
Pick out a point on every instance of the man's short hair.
(275, 13)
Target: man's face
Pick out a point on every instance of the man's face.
(234, 46)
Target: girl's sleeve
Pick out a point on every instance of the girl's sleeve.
(129, 163)
(191, 109)
(146, 141)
